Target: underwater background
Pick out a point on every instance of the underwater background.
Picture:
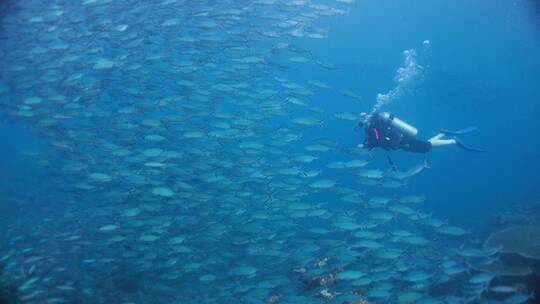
(206, 152)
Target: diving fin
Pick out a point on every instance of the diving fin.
(465, 147)
(460, 132)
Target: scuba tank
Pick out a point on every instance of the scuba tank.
(399, 124)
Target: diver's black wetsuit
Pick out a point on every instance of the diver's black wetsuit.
(380, 133)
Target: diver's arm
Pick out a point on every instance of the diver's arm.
(365, 145)
(367, 137)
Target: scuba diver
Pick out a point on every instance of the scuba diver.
(386, 131)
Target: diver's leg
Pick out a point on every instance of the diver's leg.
(437, 137)
(437, 142)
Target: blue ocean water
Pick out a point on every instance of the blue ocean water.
(165, 161)
(482, 69)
